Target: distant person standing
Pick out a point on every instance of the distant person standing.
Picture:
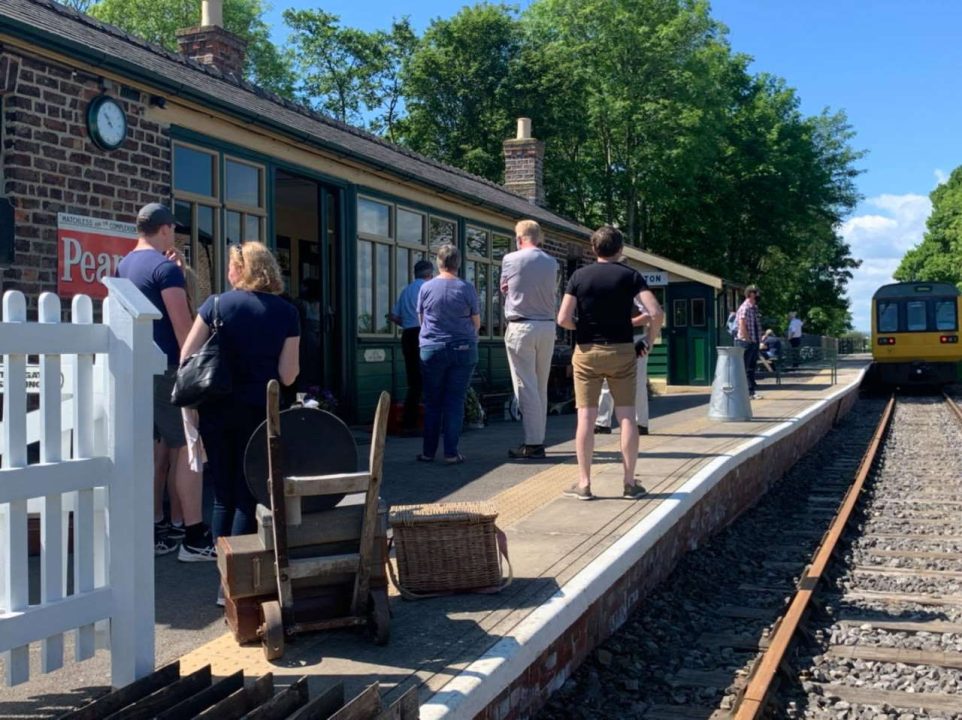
(529, 281)
(598, 305)
(153, 266)
(450, 317)
(405, 314)
(794, 335)
(750, 335)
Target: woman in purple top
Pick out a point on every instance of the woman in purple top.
(450, 318)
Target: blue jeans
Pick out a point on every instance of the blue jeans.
(447, 371)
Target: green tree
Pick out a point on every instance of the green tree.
(157, 21)
(350, 74)
(938, 258)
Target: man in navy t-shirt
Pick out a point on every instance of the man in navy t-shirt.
(153, 266)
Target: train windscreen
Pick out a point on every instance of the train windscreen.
(888, 316)
(945, 315)
(931, 315)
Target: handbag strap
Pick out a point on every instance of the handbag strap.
(215, 321)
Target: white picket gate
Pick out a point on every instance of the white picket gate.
(96, 464)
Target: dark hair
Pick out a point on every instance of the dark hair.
(149, 227)
(607, 241)
(423, 269)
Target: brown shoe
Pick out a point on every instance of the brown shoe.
(634, 492)
(579, 493)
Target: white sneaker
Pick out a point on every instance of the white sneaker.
(206, 553)
(757, 396)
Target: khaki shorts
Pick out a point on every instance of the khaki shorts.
(595, 363)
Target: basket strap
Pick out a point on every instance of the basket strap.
(405, 593)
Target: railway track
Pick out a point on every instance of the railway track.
(744, 629)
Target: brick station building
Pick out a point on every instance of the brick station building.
(96, 123)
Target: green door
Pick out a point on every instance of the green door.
(689, 310)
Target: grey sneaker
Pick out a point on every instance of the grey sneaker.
(579, 493)
(634, 492)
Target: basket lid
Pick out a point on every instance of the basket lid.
(464, 512)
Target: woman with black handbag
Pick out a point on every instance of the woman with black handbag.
(258, 338)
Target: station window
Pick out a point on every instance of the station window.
(222, 200)
(698, 312)
(482, 268)
(679, 313)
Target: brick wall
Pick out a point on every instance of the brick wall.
(49, 164)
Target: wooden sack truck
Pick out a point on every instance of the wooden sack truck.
(311, 566)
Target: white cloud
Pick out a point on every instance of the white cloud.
(940, 176)
(880, 240)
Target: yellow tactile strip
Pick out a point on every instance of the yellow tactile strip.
(514, 504)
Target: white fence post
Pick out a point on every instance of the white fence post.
(133, 360)
(13, 553)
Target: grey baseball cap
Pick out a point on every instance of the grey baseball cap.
(157, 215)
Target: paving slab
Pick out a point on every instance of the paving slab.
(553, 542)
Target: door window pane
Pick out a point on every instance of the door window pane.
(945, 311)
(501, 246)
(252, 227)
(679, 313)
(477, 241)
(193, 171)
(383, 290)
(373, 218)
(441, 232)
(233, 228)
(888, 316)
(698, 312)
(915, 315)
(410, 227)
(403, 267)
(497, 311)
(243, 184)
(365, 287)
(482, 287)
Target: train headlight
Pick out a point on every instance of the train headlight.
(948, 339)
(886, 341)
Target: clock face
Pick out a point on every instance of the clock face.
(107, 122)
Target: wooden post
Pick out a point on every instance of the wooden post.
(133, 360)
(13, 540)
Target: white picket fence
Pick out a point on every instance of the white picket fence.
(94, 427)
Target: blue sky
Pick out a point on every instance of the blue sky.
(892, 65)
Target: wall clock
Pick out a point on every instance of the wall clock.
(106, 122)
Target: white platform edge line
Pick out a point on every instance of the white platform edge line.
(473, 689)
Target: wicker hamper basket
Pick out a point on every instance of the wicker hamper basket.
(443, 548)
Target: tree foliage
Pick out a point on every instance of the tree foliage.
(938, 258)
(158, 21)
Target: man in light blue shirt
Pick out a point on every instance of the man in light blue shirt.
(405, 314)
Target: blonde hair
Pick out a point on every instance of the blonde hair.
(257, 267)
(529, 229)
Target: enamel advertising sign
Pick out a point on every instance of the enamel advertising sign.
(87, 250)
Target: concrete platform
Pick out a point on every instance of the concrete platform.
(579, 568)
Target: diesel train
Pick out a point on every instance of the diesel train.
(915, 333)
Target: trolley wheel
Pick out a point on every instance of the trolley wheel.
(272, 635)
(379, 617)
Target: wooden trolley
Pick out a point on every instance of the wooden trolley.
(291, 614)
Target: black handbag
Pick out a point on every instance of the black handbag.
(205, 375)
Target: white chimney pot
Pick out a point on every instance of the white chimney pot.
(212, 13)
(524, 128)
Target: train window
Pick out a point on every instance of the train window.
(888, 316)
(915, 316)
(945, 315)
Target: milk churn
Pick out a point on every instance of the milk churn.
(729, 391)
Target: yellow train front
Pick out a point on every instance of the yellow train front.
(915, 333)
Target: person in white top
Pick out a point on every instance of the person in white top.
(794, 335)
(606, 405)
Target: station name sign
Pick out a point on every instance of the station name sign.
(89, 249)
(654, 279)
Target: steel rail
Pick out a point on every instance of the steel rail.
(756, 694)
(954, 405)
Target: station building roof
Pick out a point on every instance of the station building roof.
(675, 268)
(48, 24)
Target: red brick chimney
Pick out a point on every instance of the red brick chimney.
(211, 44)
(524, 164)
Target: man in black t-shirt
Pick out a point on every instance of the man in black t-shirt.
(598, 306)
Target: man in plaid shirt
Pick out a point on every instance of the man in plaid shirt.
(749, 335)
